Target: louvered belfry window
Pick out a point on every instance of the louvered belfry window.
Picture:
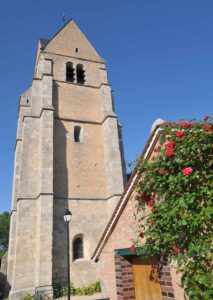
(80, 73)
(70, 73)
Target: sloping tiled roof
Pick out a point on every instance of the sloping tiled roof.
(128, 191)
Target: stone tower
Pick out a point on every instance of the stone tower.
(68, 154)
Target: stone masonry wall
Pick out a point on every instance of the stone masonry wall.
(88, 219)
(30, 245)
(53, 173)
(87, 175)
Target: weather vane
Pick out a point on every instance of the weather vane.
(63, 17)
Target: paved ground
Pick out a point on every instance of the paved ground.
(98, 296)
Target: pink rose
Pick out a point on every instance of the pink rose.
(169, 153)
(151, 202)
(170, 146)
(187, 171)
(179, 134)
(132, 249)
(187, 125)
(142, 234)
(175, 250)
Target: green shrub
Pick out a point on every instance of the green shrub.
(88, 290)
(28, 297)
(91, 289)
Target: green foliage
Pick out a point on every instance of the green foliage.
(91, 289)
(88, 290)
(28, 297)
(4, 232)
(179, 182)
(2, 252)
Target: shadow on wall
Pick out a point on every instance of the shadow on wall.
(4, 285)
(60, 183)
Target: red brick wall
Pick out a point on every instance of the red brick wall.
(165, 279)
(124, 279)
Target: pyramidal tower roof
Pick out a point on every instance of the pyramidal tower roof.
(70, 41)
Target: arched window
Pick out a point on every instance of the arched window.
(77, 134)
(80, 74)
(78, 251)
(70, 75)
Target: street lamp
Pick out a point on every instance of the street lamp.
(67, 219)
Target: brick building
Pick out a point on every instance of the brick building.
(125, 274)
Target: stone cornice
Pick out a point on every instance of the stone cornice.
(85, 121)
(68, 198)
(13, 211)
(87, 198)
(17, 140)
(73, 83)
(36, 197)
(81, 85)
(38, 116)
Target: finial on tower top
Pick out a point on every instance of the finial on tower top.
(63, 17)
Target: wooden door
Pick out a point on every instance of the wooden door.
(146, 281)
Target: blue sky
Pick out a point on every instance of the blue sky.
(159, 54)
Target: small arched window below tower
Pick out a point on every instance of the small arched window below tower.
(80, 73)
(70, 74)
(77, 134)
(78, 249)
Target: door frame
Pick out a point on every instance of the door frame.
(125, 280)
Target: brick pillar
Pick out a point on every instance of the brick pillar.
(124, 279)
(165, 279)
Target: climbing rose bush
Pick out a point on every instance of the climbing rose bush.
(174, 203)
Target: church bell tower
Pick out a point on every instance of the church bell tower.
(68, 154)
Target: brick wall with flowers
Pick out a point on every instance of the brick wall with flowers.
(121, 237)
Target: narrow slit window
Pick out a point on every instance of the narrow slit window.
(77, 134)
(70, 74)
(78, 248)
(80, 72)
